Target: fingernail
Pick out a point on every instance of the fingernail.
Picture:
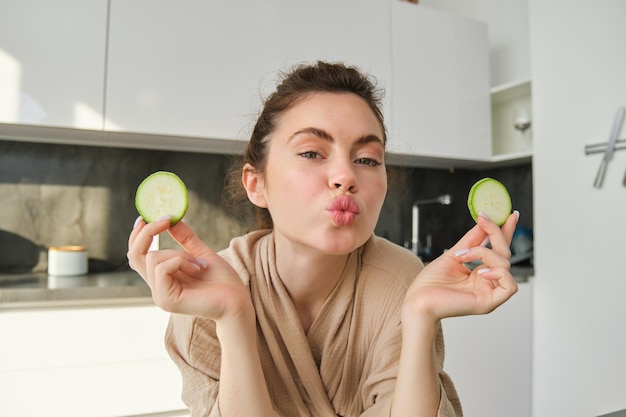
(163, 218)
(517, 215)
(137, 220)
(483, 214)
(201, 262)
(483, 270)
(461, 252)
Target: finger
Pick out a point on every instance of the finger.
(505, 288)
(180, 262)
(165, 272)
(486, 256)
(130, 254)
(189, 241)
(143, 239)
(508, 228)
(483, 233)
(155, 258)
(140, 241)
(137, 226)
(499, 237)
(169, 279)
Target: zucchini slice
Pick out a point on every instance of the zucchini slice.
(160, 194)
(492, 198)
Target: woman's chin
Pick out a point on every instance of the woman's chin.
(342, 245)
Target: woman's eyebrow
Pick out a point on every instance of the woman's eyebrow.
(322, 134)
(364, 140)
(312, 131)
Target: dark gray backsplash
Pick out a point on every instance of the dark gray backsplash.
(447, 224)
(80, 195)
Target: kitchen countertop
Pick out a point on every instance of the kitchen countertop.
(39, 290)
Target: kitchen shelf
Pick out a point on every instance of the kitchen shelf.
(513, 158)
(510, 91)
(508, 144)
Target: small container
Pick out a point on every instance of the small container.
(67, 260)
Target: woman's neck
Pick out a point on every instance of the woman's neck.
(309, 277)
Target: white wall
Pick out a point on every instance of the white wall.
(578, 55)
(577, 61)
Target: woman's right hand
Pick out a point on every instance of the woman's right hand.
(194, 281)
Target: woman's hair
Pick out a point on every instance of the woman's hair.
(294, 86)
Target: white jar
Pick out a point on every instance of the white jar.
(67, 260)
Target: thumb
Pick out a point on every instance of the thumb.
(189, 241)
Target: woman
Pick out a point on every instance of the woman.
(311, 314)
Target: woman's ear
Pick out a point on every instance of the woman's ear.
(254, 184)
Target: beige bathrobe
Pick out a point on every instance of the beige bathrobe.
(345, 365)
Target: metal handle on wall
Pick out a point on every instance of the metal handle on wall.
(608, 148)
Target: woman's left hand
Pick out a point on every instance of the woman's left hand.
(447, 288)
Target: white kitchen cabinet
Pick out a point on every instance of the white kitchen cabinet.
(509, 40)
(489, 358)
(509, 69)
(52, 55)
(190, 75)
(440, 95)
(198, 68)
(192, 67)
(350, 31)
(86, 362)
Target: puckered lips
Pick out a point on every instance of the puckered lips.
(343, 210)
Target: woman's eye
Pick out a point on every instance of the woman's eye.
(368, 162)
(309, 155)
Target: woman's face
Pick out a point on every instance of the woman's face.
(325, 179)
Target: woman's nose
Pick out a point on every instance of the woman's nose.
(342, 177)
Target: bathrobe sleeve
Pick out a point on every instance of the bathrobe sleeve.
(378, 390)
(195, 350)
(387, 273)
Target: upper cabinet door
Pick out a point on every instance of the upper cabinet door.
(201, 68)
(190, 67)
(52, 62)
(353, 32)
(440, 96)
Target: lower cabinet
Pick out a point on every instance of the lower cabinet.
(111, 361)
(489, 358)
(86, 362)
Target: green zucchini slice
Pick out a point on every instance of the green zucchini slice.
(159, 194)
(492, 198)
